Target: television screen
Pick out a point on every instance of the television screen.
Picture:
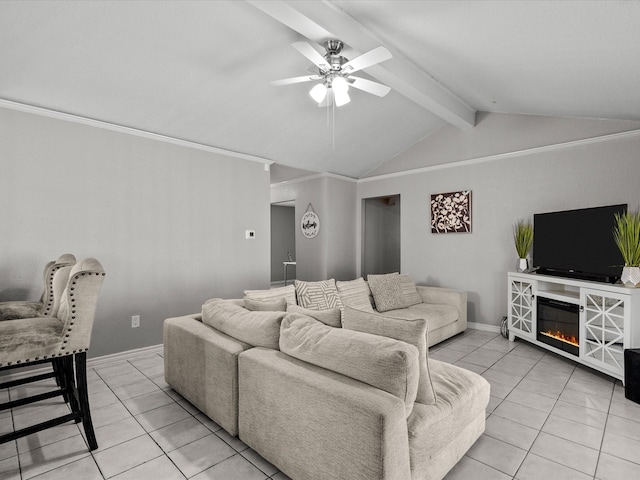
(578, 243)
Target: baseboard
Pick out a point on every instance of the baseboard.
(127, 354)
(91, 362)
(484, 327)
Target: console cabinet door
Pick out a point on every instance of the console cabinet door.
(522, 308)
(604, 319)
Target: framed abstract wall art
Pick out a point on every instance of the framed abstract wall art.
(451, 212)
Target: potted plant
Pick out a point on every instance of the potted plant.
(523, 239)
(626, 233)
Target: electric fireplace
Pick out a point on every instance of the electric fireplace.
(558, 324)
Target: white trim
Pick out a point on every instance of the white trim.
(126, 355)
(313, 177)
(502, 156)
(91, 362)
(484, 327)
(45, 112)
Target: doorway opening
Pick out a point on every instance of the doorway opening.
(283, 243)
(381, 235)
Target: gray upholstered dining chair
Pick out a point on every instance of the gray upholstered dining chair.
(61, 339)
(11, 310)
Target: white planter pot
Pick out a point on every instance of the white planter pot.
(523, 265)
(630, 276)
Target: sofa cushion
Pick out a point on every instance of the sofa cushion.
(288, 292)
(12, 310)
(274, 305)
(260, 329)
(436, 315)
(356, 294)
(387, 291)
(409, 291)
(318, 295)
(462, 399)
(378, 361)
(412, 331)
(331, 316)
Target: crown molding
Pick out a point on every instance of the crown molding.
(501, 156)
(313, 177)
(45, 112)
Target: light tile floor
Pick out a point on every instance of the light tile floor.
(547, 419)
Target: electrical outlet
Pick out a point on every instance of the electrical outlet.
(250, 234)
(135, 321)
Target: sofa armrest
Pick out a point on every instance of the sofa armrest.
(201, 364)
(446, 296)
(308, 420)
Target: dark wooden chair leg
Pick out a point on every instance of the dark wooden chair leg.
(83, 398)
(61, 374)
(70, 384)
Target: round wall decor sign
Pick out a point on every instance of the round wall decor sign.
(310, 224)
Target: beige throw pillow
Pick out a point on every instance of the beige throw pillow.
(288, 293)
(331, 316)
(275, 305)
(409, 291)
(355, 293)
(387, 291)
(260, 329)
(413, 332)
(378, 361)
(318, 295)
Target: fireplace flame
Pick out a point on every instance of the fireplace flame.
(558, 335)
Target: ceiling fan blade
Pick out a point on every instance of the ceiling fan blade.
(312, 54)
(292, 80)
(369, 86)
(377, 55)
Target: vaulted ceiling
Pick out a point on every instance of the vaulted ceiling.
(201, 71)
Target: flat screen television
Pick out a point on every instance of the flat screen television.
(578, 244)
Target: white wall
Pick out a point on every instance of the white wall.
(504, 189)
(167, 222)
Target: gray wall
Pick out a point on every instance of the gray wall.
(167, 222)
(332, 253)
(505, 188)
(283, 240)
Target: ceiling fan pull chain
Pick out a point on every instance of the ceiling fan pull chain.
(333, 126)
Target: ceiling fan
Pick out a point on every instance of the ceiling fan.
(334, 73)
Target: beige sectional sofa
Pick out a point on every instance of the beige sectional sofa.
(323, 402)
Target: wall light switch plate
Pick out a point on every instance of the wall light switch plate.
(135, 321)
(250, 234)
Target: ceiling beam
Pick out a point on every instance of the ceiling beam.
(402, 75)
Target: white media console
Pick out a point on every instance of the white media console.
(608, 318)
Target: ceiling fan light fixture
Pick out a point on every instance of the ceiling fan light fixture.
(319, 92)
(341, 97)
(340, 84)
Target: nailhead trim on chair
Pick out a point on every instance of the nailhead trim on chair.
(73, 311)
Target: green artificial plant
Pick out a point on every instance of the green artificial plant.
(523, 237)
(626, 233)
